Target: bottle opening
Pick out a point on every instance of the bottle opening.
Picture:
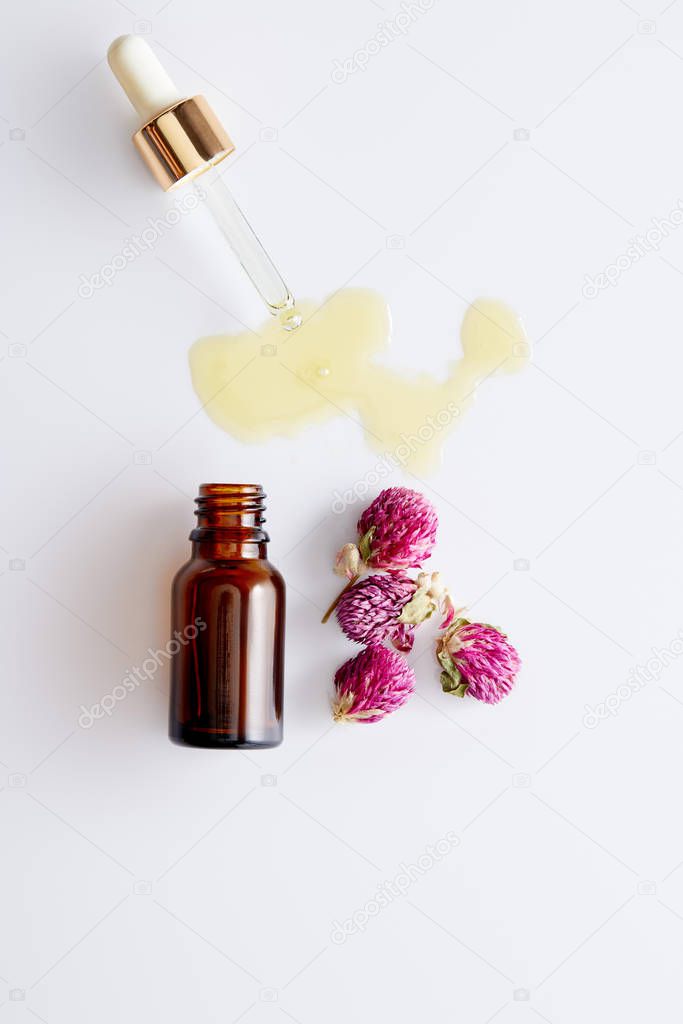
(218, 490)
(232, 507)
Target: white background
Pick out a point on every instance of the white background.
(144, 881)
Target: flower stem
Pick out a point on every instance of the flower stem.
(339, 597)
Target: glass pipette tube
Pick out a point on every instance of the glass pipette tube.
(244, 242)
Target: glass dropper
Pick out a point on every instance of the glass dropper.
(179, 140)
(244, 242)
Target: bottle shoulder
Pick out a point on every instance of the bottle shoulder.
(248, 570)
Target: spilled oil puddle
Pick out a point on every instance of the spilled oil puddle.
(276, 383)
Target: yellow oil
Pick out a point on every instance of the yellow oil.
(275, 382)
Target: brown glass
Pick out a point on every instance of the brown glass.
(227, 680)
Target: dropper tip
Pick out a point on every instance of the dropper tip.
(291, 320)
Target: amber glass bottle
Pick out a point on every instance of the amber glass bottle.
(228, 618)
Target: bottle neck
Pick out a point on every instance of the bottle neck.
(229, 522)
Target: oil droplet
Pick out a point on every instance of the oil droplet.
(254, 398)
(291, 320)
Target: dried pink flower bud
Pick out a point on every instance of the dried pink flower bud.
(398, 530)
(389, 607)
(371, 685)
(477, 660)
(369, 612)
(348, 562)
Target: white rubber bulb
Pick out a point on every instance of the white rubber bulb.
(142, 76)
